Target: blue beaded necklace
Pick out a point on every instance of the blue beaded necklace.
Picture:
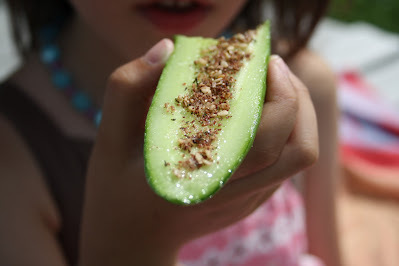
(50, 55)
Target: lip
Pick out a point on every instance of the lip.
(174, 21)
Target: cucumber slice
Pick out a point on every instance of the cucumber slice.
(174, 170)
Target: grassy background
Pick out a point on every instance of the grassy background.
(383, 13)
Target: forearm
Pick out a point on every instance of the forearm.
(134, 258)
(119, 229)
(321, 182)
(110, 237)
(100, 252)
(321, 217)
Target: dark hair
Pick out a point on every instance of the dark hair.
(293, 21)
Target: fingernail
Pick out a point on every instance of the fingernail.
(159, 53)
(280, 63)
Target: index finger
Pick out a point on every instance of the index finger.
(125, 102)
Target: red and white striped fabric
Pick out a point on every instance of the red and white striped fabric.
(273, 235)
(367, 121)
(369, 134)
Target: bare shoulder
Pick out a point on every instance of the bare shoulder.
(22, 187)
(315, 74)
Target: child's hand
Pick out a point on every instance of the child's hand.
(126, 223)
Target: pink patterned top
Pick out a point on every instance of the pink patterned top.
(273, 235)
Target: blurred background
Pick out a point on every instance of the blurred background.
(363, 35)
(360, 41)
(383, 13)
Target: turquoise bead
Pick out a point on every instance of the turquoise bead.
(50, 53)
(61, 79)
(98, 117)
(81, 101)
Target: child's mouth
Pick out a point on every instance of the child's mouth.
(175, 16)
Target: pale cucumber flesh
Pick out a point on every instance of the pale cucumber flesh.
(237, 133)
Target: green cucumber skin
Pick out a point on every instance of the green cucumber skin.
(161, 132)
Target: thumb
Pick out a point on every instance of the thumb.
(125, 104)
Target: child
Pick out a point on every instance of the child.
(53, 157)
